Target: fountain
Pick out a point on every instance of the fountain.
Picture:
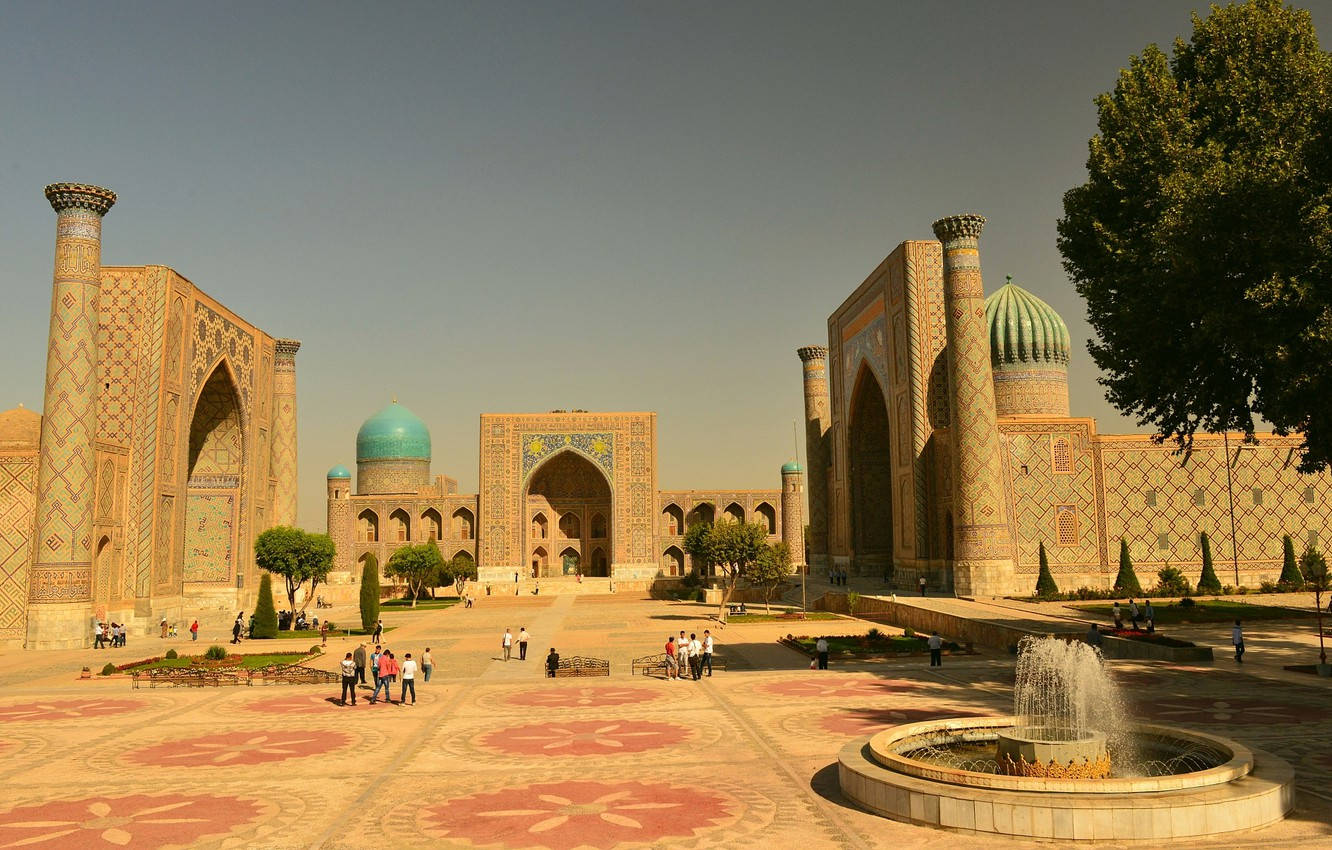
(1069, 764)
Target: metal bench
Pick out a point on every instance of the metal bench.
(185, 677)
(578, 665)
(652, 664)
(292, 674)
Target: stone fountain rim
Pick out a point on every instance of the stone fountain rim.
(881, 744)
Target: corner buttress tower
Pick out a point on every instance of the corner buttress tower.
(283, 450)
(982, 531)
(793, 519)
(818, 455)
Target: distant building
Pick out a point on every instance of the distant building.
(940, 444)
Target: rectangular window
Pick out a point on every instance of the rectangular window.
(1163, 541)
(1150, 497)
(1200, 497)
(1066, 525)
(1257, 495)
(1313, 539)
(1061, 455)
(1025, 470)
(1309, 495)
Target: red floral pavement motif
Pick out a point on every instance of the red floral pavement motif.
(586, 737)
(565, 815)
(237, 748)
(139, 821)
(1232, 711)
(853, 722)
(837, 686)
(298, 704)
(582, 697)
(69, 709)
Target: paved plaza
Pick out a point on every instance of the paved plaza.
(495, 755)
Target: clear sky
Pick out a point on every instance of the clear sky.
(515, 207)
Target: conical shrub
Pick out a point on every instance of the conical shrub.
(1127, 580)
(1208, 582)
(1045, 583)
(1290, 569)
(265, 614)
(369, 594)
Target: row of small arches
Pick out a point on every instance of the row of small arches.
(400, 526)
(570, 526)
(675, 521)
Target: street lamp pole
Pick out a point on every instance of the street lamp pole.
(1230, 493)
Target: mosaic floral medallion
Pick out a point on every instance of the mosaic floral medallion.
(582, 697)
(580, 814)
(70, 709)
(297, 704)
(1232, 711)
(239, 748)
(139, 821)
(586, 738)
(822, 685)
(855, 722)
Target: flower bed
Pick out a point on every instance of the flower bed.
(867, 646)
(1147, 637)
(244, 662)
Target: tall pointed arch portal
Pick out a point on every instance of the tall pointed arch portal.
(215, 469)
(871, 476)
(570, 486)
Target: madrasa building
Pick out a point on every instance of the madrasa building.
(940, 445)
(567, 500)
(167, 442)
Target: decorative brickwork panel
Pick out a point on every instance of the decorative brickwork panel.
(18, 498)
(210, 537)
(1036, 490)
(139, 523)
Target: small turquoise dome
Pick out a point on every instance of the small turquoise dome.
(790, 466)
(1024, 329)
(339, 471)
(392, 433)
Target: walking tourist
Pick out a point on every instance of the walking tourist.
(822, 649)
(552, 663)
(1119, 616)
(427, 666)
(1237, 638)
(1149, 613)
(163, 626)
(921, 581)
(374, 665)
(707, 652)
(384, 679)
(323, 633)
(379, 631)
(194, 630)
(359, 656)
(506, 644)
(936, 649)
(522, 643)
(99, 635)
(1134, 615)
(695, 656)
(236, 627)
(408, 679)
(348, 666)
(117, 634)
(672, 661)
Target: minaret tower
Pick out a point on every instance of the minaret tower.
(793, 519)
(339, 516)
(982, 534)
(814, 360)
(60, 586)
(283, 460)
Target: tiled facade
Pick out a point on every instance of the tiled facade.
(907, 488)
(178, 406)
(561, 494)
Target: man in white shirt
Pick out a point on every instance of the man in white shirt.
(522, 643)
(348, 666)
(408, 680)
(822, 649)
(707, 652)
(695, 657)
(936, 650)
(506, 643)
(97, 635)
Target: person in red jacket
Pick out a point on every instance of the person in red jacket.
(194, 630)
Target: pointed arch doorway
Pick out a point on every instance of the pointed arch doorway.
(215, 467)
(571, 487)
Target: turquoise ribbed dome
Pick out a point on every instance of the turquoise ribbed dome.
(790, 466)
(1024, 329)
(392, 433)
(339, 471)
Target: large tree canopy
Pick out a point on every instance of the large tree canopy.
(1202, 239)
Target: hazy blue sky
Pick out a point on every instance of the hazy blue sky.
(522, 206)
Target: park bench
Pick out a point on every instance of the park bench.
(578, 665)
(292, 674)
(649, 665)
(185, 677)
(737, 608)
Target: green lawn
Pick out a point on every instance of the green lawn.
(1208, 611)
(423, 605)
(248, 662)
(769, 618)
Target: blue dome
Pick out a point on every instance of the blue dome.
(790, 466)
(393, 433)
(339, 471)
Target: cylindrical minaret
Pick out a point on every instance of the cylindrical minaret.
(793, 520)
(814, 360)
(339, 516)
(983, 537)
(60, 585)
(283, 461)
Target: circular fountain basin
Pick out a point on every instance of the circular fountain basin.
(1246, 789)
(1043, 750)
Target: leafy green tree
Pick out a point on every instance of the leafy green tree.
(1208, 582)
(852, 600)
(417, 566)
(369, 594)
(457, 571)
(298, 556)
(770, 571)
(698, 546)
(1127, 580)
(735, 548)
(1171, 581)
(1290, 569)
(265, 614)
(1319, 580)
(1045, 583)
(1211, 172)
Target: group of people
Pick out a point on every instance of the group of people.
(385, 670)
(837, 575)
(688, 656)
(506, 643)
(1147, 613)
(107, 636)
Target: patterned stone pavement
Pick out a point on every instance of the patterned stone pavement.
(496, 756)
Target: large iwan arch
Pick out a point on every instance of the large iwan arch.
(569, 486)
(216, 465)
(871, 474)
